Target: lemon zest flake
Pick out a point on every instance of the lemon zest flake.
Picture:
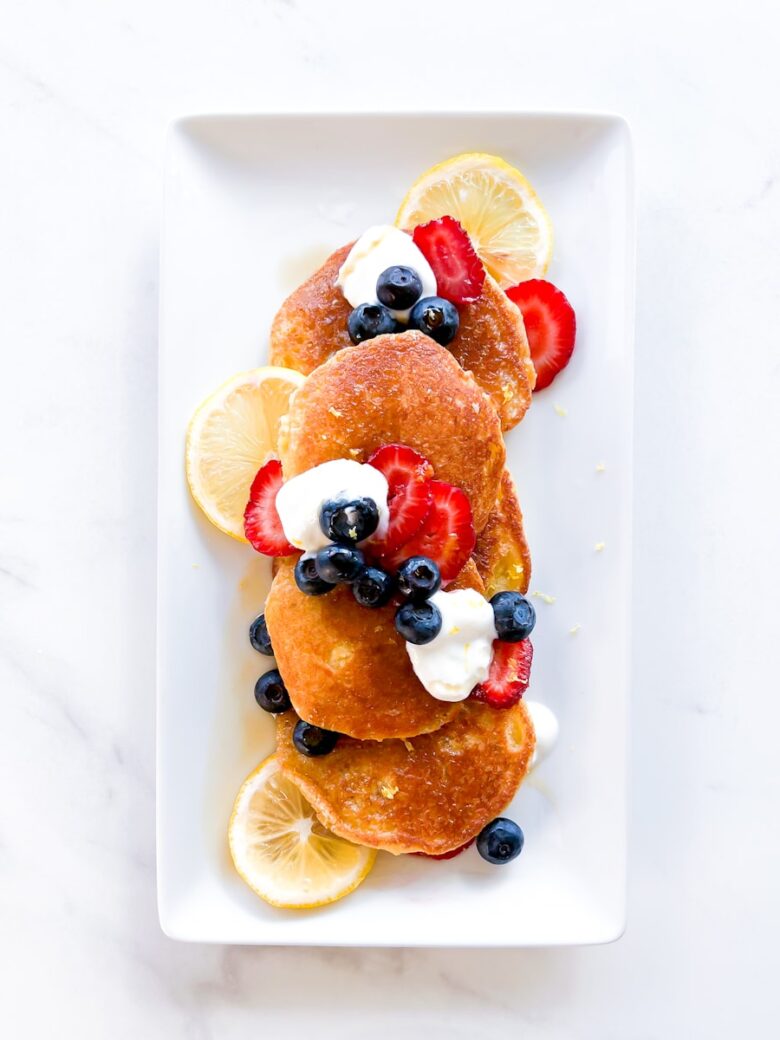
(545, 597)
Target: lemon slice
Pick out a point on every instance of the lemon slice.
(494, 202)
(231, 435)
(283, 852)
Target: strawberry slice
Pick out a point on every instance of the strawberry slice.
(550, 325)
(408, 508)
(409, 499)
(446, 246)
(400, 465)
(262, 525)
(448, 855)
(447, 534)
(509, 676)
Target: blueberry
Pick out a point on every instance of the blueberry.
(339, 563)
(312, 741)
(369, 320)
(271, 693)
(418, 578)
(500, 841)
(418, 622)
(435, 317)
(308, 580)
(399, 288)
(513, 615)
(373, 587)
(349, 520)
(259, 638)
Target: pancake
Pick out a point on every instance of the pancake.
(429, 794)
(398, 389)
(345, 666)
(501, 553)
(311, 326)
(491, 342)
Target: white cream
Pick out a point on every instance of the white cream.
(380, 247)
(299, 499)
(546, 729)
(452, 664)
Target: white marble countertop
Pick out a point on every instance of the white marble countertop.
(86, 91)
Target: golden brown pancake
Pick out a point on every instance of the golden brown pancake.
(491, 342)
(311, 326)
(402, 389)
(501, 553)
(345, 666)
(429, 794)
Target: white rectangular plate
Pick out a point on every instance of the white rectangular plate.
(252, 205)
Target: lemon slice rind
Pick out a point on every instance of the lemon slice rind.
(282, 851)
(231, 434)
(497, 206)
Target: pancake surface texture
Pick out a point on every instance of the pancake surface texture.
(398, 389)
(501, 553)
(491, 342)
(345, 666)
(311, 326)
(429, 794)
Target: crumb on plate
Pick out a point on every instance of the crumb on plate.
(545, 597)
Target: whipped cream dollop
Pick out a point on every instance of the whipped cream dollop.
(300, 499)
(546, 729)
(378, 248)
(452, 664)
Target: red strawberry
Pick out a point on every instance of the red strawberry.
(400, 464)
(409, 500)
(550, 325)
(409, 506)
(448, 855)
(510, 673)
(447, 534)
(262, 525)
(448, 249)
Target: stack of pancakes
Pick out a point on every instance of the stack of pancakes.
(412, 773)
